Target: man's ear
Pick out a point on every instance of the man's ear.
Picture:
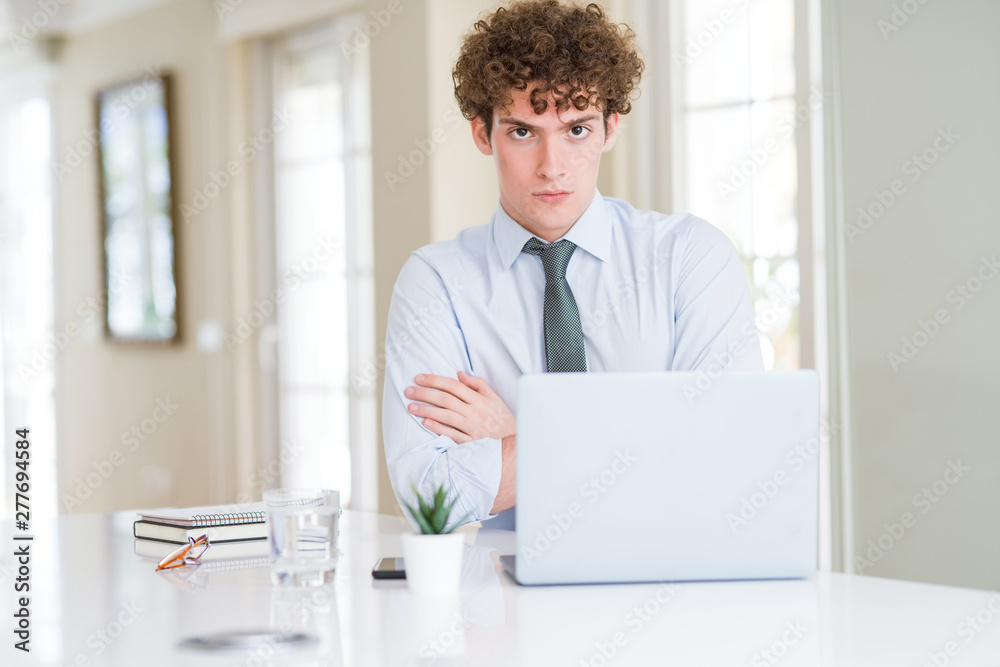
(479, 136)
(612, 135)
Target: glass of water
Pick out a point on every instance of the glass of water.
(302, 526)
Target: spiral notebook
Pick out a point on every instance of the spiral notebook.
(248, 553)
(236, 532)
(210, 516)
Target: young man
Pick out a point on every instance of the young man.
(561, 279)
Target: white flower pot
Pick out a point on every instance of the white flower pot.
(433, 563)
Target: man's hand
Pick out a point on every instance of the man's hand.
(465, 409)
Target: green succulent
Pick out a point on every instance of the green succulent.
(432, 517)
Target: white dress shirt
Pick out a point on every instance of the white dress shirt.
(655, 293)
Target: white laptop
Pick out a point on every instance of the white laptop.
(629, 477)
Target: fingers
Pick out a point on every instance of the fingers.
(441, 399)
(450, 385)
(442, 416)
(465, 409)
(476, 383)
(440, 429)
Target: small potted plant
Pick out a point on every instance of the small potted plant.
(433, 557)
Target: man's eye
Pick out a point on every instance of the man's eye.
(520, 129)
(581, 133)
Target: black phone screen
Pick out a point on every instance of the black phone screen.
(389, 568)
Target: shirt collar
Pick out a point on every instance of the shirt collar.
(592, 232)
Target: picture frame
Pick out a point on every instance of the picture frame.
(137, 195)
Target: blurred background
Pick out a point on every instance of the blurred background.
(204, 205)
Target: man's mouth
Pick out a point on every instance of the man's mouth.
(552, 195)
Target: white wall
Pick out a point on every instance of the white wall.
(105, 389)
(208, 450)
(402, 211)
(464, 189)
(940, 70)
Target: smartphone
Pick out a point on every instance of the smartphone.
(389, 568)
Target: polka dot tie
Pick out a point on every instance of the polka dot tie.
(564, 351)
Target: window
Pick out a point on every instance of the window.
(323, 260)
(748, 101)
(738, 157)
(28, 348)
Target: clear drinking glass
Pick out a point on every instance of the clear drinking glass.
(303, 526)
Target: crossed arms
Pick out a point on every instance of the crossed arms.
(438, 429)
(444, 426)
(464, 410)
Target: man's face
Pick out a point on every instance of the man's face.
(546, 164)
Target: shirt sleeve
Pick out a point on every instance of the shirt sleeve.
(423, 335)
(714, 325)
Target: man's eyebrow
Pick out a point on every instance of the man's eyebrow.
(528, 126)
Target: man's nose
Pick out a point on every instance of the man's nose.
(552, 164)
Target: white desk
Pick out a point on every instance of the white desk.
(95, 602)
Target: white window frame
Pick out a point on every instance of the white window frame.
(25, 82)
(362, 399)
(654, 147)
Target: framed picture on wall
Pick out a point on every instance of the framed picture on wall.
(137, 201)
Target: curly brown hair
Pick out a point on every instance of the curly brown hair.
(574, 52)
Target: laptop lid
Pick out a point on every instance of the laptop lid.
(626, 477)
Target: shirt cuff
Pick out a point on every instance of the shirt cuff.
(479, 462)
